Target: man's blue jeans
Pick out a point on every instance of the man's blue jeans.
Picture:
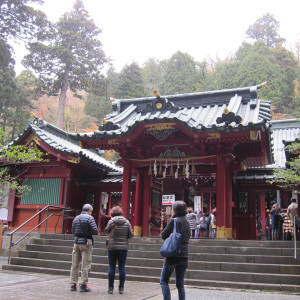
(113, 257)
(179, 275)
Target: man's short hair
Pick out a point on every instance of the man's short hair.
(87, 207)
(293, 199)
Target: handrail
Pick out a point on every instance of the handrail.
(296, 226)
(62, 213)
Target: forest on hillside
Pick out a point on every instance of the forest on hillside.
(69, 80)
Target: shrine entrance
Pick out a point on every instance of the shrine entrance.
(165, 191)
(184, 147)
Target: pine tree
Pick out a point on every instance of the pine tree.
(68, 56)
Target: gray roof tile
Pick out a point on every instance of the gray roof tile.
(62, 141)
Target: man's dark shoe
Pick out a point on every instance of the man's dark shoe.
(110, 290)
(121, 290)
(85, 288)
(73, 287)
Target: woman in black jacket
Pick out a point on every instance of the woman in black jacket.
(179, 263)
(120, 231)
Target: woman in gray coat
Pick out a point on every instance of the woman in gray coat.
(120, 231)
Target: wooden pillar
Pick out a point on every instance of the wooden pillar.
(146, 204)
(137, 225)
(223, 208)
(126, 188)
(262, 206)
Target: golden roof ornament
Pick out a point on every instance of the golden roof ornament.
(156, 93)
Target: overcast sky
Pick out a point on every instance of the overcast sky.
(135, 30)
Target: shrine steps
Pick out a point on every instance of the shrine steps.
(258, 265)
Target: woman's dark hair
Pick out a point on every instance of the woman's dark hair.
(116, 211)
(190, 210)
(179, 208)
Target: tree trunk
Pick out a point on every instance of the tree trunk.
(62, 100)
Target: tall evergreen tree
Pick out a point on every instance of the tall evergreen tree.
(69, 55)
(97, 102)
(288, 66)
(130, 83)
(152, 72)
(180, 74)
(258, 66)
(19, 20)
(7, 84)
(265, 28)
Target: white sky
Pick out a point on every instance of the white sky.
(135, 30)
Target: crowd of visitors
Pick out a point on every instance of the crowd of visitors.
(203, 225)
(279, 223)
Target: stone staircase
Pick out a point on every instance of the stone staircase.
(258, 265)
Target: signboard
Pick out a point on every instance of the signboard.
(4, 205)
(3, 213)
(197, 203)
(168, 199)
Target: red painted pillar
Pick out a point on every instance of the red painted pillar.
(229, 203)
(137, 225)
(262, 205)
(223, 231)
(126, 188)
(146, 204)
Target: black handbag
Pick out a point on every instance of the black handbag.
(172, 245)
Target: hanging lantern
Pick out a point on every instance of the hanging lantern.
(165, 171)
(177, 170)
(187, 172)
(150, 170)
(155, 168)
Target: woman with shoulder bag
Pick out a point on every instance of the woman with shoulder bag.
(178, 263)
(120, 231)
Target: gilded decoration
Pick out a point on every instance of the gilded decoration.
(160, 126)
(32, 140)
(213, 136)
(253, 135)
(113, 142)
(74, 160)
(161, 131)
(172, 154)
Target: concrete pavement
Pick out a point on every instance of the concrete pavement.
(25, 286)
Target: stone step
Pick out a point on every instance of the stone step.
(221, 275)
(265, 259)
(196, 241)
(192, 282)
(193, 248)
(263, 265)
(197, 265)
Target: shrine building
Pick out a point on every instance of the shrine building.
(214, 150)
(182, 146)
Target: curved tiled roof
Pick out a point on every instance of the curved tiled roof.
(63, 142)
(228, 110)
(283, 131)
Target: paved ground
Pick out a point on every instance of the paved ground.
(25, 286)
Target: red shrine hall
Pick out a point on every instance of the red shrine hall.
(214, 150)
(186, 147)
